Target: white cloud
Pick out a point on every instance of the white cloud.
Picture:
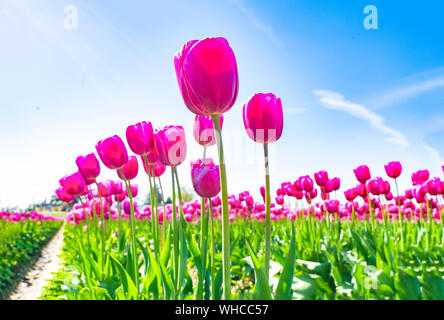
(424, 82)
(336, 101)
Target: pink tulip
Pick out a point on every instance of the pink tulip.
(171, 145)
(321, 178)
(112, 152)
(130, 169)
(158, 167)
(362, 173)
(206, 72)
(140, 138)
(203, 130)
(307, 184)
(420, 177)
(63, 195)
(73, 184)
(206, 179)
(336, 184)
(89, 167)
(351, 194)
(263, 118)
(393, 169)
(280, 200)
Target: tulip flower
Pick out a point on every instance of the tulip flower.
(336, 184)
(263, 121)
(171, 145)
(112, 152)
(393, 169)
(205, 178)
(140, 138)
(203, 130)
(206, 72)
(63, 195)
(89, 167)
(307, 184)
(351, 194)
(321, 178)
(362, 173)
(263, 118)
(419, 177)
(130, 170)
(73, 184)
(156, 169)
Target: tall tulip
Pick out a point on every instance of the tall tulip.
(264, 122)
(419, 177)
(206, 72)
(207, 75)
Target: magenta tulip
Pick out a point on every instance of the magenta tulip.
(203, 130)
(393, 169)
(140, 138)
(63, 195)
(158, 167)
(171, 145)
(112, 152)
(321, 178)
(419, 177)
(336, 184)
(130, 169)
(206, 179)
(362, 173)
(73, 184)
(89, 167)
(206, 72)
(351, 194)
(263, 117)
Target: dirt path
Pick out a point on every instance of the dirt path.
(31, 286)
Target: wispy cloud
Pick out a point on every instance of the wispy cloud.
(336, 101)
(418, 84)
(257, 22)
(294, 110)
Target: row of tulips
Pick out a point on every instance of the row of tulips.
(22, 236)
(207, 75)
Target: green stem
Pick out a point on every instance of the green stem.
(267, 215)
(225, 212)
(133, 233)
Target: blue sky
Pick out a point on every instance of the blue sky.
(351, 95)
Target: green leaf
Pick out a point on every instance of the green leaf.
(283, 290)
(262, 289)
(128, 285)
(433, 285)
(407, 285)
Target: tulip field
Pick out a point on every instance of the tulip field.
(296, 242)
(22, 236)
